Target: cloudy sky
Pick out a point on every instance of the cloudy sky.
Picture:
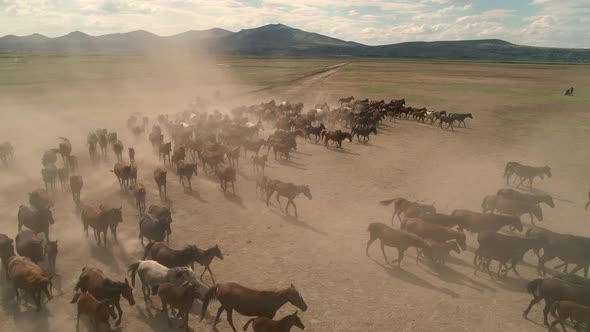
(559, 23)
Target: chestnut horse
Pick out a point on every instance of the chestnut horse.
(101, 219)
(250, 302)
(95, 282)
(263, 324)
(336, 136)
(226, 174)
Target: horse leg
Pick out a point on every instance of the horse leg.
(546, 310)
(219, 311)
(278, 201)
(295, 207)
(233, 189)
(532, 221)
(383, 251)
(400, 256)
(210, 273)
(120, 313)
(229, 312)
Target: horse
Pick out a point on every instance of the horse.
(346, 100)
(160, 179)
(98, 312)
(6, 152)
(95, 282)
(118, 150)
(336, 136)
(315, 131)
(395, 238)
(186, 171)
(250, 302)
(525, 172)
(163, 254)
(233, 156)
(123, 174)
(281, 149)
(503, 205)
(51, 254)
(63, 176)
(263, 324)
(448, 120)
(30, 277)
(76, 184)
(153, 228)
(49, 158)
(410, 209)
(164, 151)
(64, 148)
(6, 251)
(29, 245)
(49, 175)
(132, 155)
(37, 220)
(101, 219)
(288, 190)
(139, 194)
(72, 164)
(212, 158)
(253, 146)
(259, 162)
(226, 174)
(460, 118)
(39, 199)
(364, 132)
(152, 274)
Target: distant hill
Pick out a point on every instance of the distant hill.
(281, 40)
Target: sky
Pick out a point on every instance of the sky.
(553, 23)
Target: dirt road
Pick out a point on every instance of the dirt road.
(323, 252)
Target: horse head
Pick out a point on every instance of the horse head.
(127, 292)
(295, 298)
(469, 115)
(106, 308)
(217, 252)
(306, 191)
(547, 171)
(294, 320)
(549, 200)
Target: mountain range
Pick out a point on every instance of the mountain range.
(282, 40)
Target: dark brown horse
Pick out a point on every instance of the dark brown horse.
(186, 171)
(51, 254)
(123, 174)
(37, 220)
(164, 151)
(253, 146)
(95, 282)
(226, 175)
(395, 238)
(139, 194)
(39, 199)
(160, 178)
(259, 162)
(76, 184)
(101, 219)
(250, 302)
(409, 208)
(288, 190)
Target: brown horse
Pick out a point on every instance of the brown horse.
(164, 152)
(288, 190)
(259, 162)
(395, 238)
(186, 171)
(233, 156)
(30, 277)
(139, 194)
(76, 184)
(6, 250)
(281, 149)
(95, 282)
(101, 219)
(37, 220)
(123, 174)
(226, 174)
(409, 208)
(51, 254)
(263, 324)
(160, 178)
(212, 158)
(163, 254)
(39, 199)
(261, 183)
(250, 302)
(336, 136)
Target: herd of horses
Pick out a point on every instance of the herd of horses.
(436, 235)
(213, 144)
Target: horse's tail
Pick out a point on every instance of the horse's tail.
(534, 286)
(211, 294)
(133, 269)
(148, 248)
(388, 202)
(248, 323)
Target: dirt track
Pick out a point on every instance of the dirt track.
(322, 253)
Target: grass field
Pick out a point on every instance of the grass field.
(519, 115)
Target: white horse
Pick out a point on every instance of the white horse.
(152, 274)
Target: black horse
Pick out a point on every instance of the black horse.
(364, 133)
(315, 131)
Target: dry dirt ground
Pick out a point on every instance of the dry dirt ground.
(518, 115)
